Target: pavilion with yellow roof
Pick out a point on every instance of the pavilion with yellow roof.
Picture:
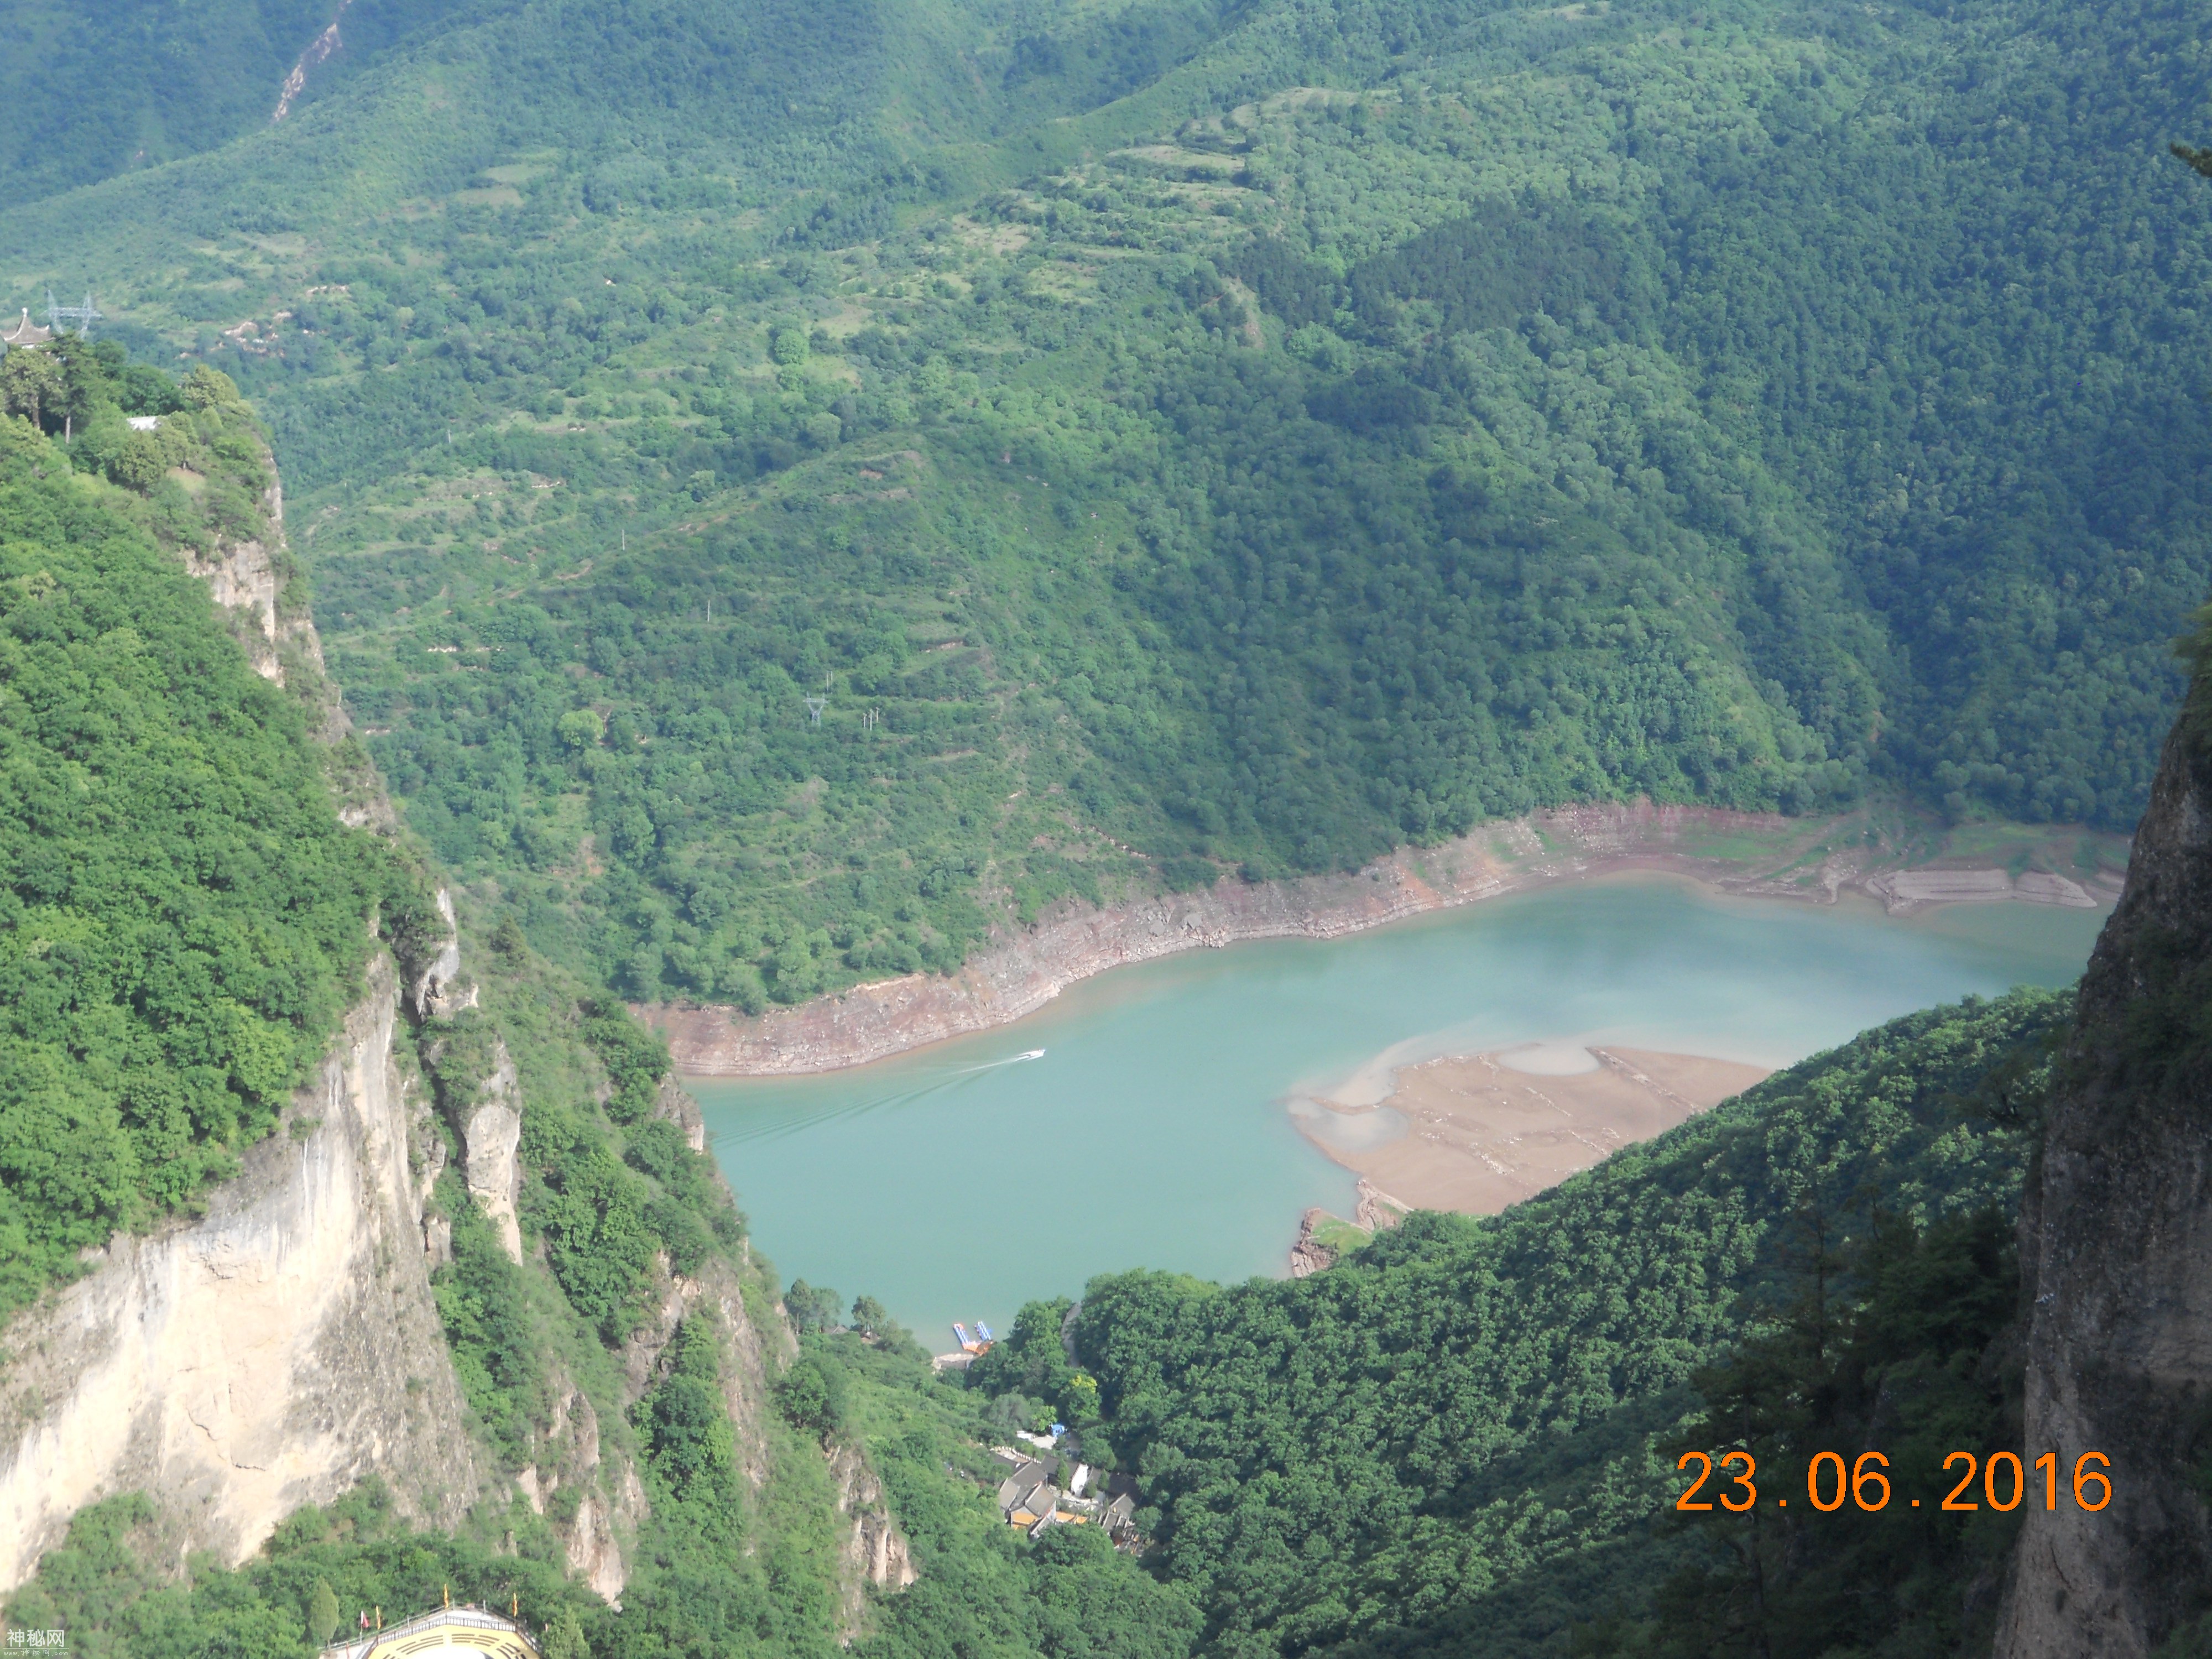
(446, 1633)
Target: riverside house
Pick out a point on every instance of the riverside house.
(1030, 1499)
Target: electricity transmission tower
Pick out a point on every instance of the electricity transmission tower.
(60, 317)
(814, 706)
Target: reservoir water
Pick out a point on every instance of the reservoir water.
(960, 1181)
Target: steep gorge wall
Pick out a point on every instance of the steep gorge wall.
(243, 579)
(285, 1345)
(271, 1353)
(2116, 1259)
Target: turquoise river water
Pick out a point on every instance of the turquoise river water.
(959, 1181)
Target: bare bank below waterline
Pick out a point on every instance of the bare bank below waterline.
(1905, 867)
(1478, 1133)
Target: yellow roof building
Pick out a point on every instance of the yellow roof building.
(446, 1633)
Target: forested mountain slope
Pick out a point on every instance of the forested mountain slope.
(1468, 1436)
(1165, 443)
(1461, 1438)
(184, 918)
(1173, 440)
(88, 95)
(190, 910)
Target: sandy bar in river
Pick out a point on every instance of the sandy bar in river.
(1482, 1133)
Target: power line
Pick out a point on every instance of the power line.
(84, 316)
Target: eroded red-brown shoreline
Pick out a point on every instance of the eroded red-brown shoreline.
(1021, 971)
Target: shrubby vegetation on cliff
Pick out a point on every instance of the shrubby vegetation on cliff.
(183, 917)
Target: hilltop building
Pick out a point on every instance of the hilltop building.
(1119, 1517)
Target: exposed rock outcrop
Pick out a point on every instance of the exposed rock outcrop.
(441, 990)
(271, 1353)
(320, 51)
(612, 1502)
(244, 579)
(677, 1107)
(608, 1500)
(875, 1554)
(2116, 1258)
(750, 1349)
(491, 1141)
(1376, 1209)
(748, 1352)
(1307, 1256)
(589, 1543)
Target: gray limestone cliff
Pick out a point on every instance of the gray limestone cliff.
(2116, 1258)
(270, 1353)
(247, 580)
(491, 1144)
(441, 990)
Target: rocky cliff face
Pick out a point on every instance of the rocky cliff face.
(2116, 1258)
(242, 576)
(570, 1454)
(270, 1354)
(285, 1345)
(873, 1551)
(491, 1142)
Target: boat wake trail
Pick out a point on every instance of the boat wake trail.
(780, 1125)
(994, 1065)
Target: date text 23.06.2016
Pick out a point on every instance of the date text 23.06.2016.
(2004, 1482)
